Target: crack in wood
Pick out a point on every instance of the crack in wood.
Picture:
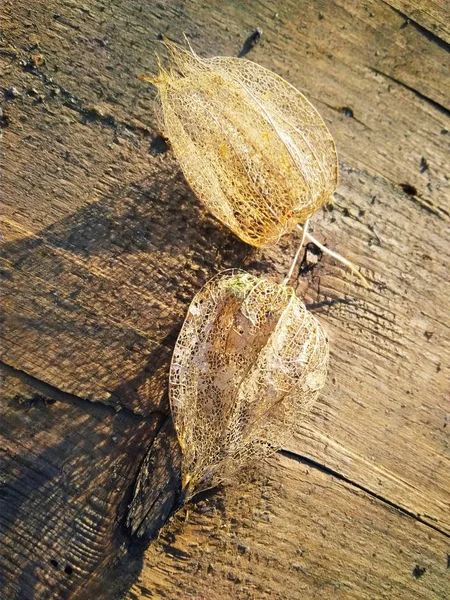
(430, 101)
(429, 35)
(336, 474)
(55, 393)
(157, 485)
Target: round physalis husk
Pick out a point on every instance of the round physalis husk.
(251, 146)
(248, 364)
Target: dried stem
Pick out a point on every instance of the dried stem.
(297, 254)
(337, 256)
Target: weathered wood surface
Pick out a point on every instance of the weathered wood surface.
(302, 535)
(64, 473)
(105, 245)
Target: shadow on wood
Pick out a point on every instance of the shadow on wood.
(91, 296)
(72, 320)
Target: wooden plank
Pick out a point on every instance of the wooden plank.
(67, 467)
(388, 386)
(350, 50)
(290, 532)
(106, 245)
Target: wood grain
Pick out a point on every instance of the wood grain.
(66, 476)
(290, 532)
(430, 16)
(105, 245)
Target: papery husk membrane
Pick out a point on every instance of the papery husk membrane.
(251, 146)
(248, 365)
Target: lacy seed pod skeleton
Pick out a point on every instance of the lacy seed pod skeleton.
(251, 146)
(248, 364)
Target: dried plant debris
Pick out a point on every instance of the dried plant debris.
(251, 146)
(248, 365)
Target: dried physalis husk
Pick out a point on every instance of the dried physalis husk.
(247, 366)
(251, 146)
